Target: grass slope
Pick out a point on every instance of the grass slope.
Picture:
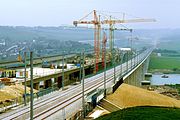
(144, 113)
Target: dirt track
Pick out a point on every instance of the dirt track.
(130, 96)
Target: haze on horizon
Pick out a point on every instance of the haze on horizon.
(64, 12)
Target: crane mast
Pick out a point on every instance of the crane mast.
(97, 30)
(112, 22)
(104, 49)
(111, 38)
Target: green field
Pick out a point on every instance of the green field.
(164, 62)
(144, 113)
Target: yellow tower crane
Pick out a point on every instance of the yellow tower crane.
(97, 30)
(111, 22)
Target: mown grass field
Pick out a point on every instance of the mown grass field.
(164, 62)
(144, 113)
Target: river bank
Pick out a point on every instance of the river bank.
(166, 90)
(164, 71)
(169, 85)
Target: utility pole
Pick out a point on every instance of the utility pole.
(131, 49)
(104, 60)
(80, 74)
(63, 71)
(114, 65)
(25, 78)
(32, 94)
(83, 101)
(121, 54)
(119, 60)
(127, 60)
(105, 73)
(135, 58)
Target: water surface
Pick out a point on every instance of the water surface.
(158, 80)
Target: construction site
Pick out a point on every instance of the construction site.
(86, 85)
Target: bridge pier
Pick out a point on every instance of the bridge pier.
(138, 74)
(59, 82)
(36, 86)
(48, 83)
(55, 84)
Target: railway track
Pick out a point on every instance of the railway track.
(47, 107)
(56, 97)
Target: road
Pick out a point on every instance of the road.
(62, 104)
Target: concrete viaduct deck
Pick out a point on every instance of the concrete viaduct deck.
(64, 104)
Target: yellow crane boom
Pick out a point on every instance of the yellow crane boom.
(127, 21)
(111, 22)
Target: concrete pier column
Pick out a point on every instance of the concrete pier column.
(36, 86)
(48, 83)
(59, 82)
(55, 82)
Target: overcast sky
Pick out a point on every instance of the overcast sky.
(58, 12)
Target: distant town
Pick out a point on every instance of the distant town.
(13, 44)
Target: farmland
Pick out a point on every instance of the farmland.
(164, 63)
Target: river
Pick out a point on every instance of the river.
(158, 80)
